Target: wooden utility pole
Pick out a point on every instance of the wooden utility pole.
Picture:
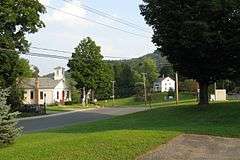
(113, 92)
(177, 96)
(145, 88)
(84, 97)
(215, 88)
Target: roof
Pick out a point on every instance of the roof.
(44, 83)
(161, 79)
(59, 67)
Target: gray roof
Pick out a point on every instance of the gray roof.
(44, 83)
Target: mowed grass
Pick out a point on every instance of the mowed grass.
(157, 98)
(65, 108)
(126, 137)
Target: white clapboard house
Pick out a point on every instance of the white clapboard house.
(164, 84)
(47, 90)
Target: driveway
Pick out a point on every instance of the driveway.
(197, 147)
(55, 121)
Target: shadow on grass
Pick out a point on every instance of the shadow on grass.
(216, 119)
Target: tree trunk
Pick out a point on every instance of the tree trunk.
(203, 93)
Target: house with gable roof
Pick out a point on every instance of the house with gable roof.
(47, 90)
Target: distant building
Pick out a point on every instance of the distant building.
(47, 90)
(164, 84)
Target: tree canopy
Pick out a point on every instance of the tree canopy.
(87, 67)
(19, 17)
(200, 38)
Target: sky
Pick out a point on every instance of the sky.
(64, 32)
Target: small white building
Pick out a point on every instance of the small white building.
(164, 85)
(47, 90)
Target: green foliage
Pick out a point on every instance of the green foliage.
(8, 129)
(124, 77)
(17, 18)
(188, 85)
(167, 71)
(149, 67)
(13, 70)
(104, 89)
(171, 92)
(126, 137)
(200, 38)
(87, 67)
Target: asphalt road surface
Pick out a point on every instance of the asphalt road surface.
(44, 123)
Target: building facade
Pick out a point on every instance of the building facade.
(49, 90)
(164, 84)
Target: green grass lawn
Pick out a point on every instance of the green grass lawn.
(158, 98)
(66, 108)
(126, 137)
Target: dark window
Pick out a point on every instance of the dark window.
(67, 94)
(31, 94)
(57, 95)
(41, 95)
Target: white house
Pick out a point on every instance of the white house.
(47, 90)
(164, 84)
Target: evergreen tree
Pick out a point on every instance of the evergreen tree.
(8, 122)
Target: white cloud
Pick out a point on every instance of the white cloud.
(44, 2)
(67, 20)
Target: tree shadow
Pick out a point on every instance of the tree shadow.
(217, 119)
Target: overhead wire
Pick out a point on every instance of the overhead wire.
(108, 16)
(43, 55)
(93, 21)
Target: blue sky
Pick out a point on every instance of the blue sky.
(64, 32)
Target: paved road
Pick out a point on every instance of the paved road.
(40, 124)
(197, 147)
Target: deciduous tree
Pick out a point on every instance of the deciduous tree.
(87, 67)
(199, 37)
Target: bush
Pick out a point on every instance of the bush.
(171, 93)
(69, 103)
(8, 122)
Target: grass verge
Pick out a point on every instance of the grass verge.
(126, 137)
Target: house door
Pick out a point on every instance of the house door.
(63, 96)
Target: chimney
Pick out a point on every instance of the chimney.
(163, 76)
(37, 84)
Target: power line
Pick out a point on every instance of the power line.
(36, 54)
(93, 21)
(108, 16)
(69, 52)
(42, 55)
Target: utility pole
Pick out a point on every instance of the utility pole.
(113, 92)
(177, 96)
(145, 88)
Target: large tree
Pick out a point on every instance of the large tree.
(17, 18)
(87, 67)
(199, 37)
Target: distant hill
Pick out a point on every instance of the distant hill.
(156, 56)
